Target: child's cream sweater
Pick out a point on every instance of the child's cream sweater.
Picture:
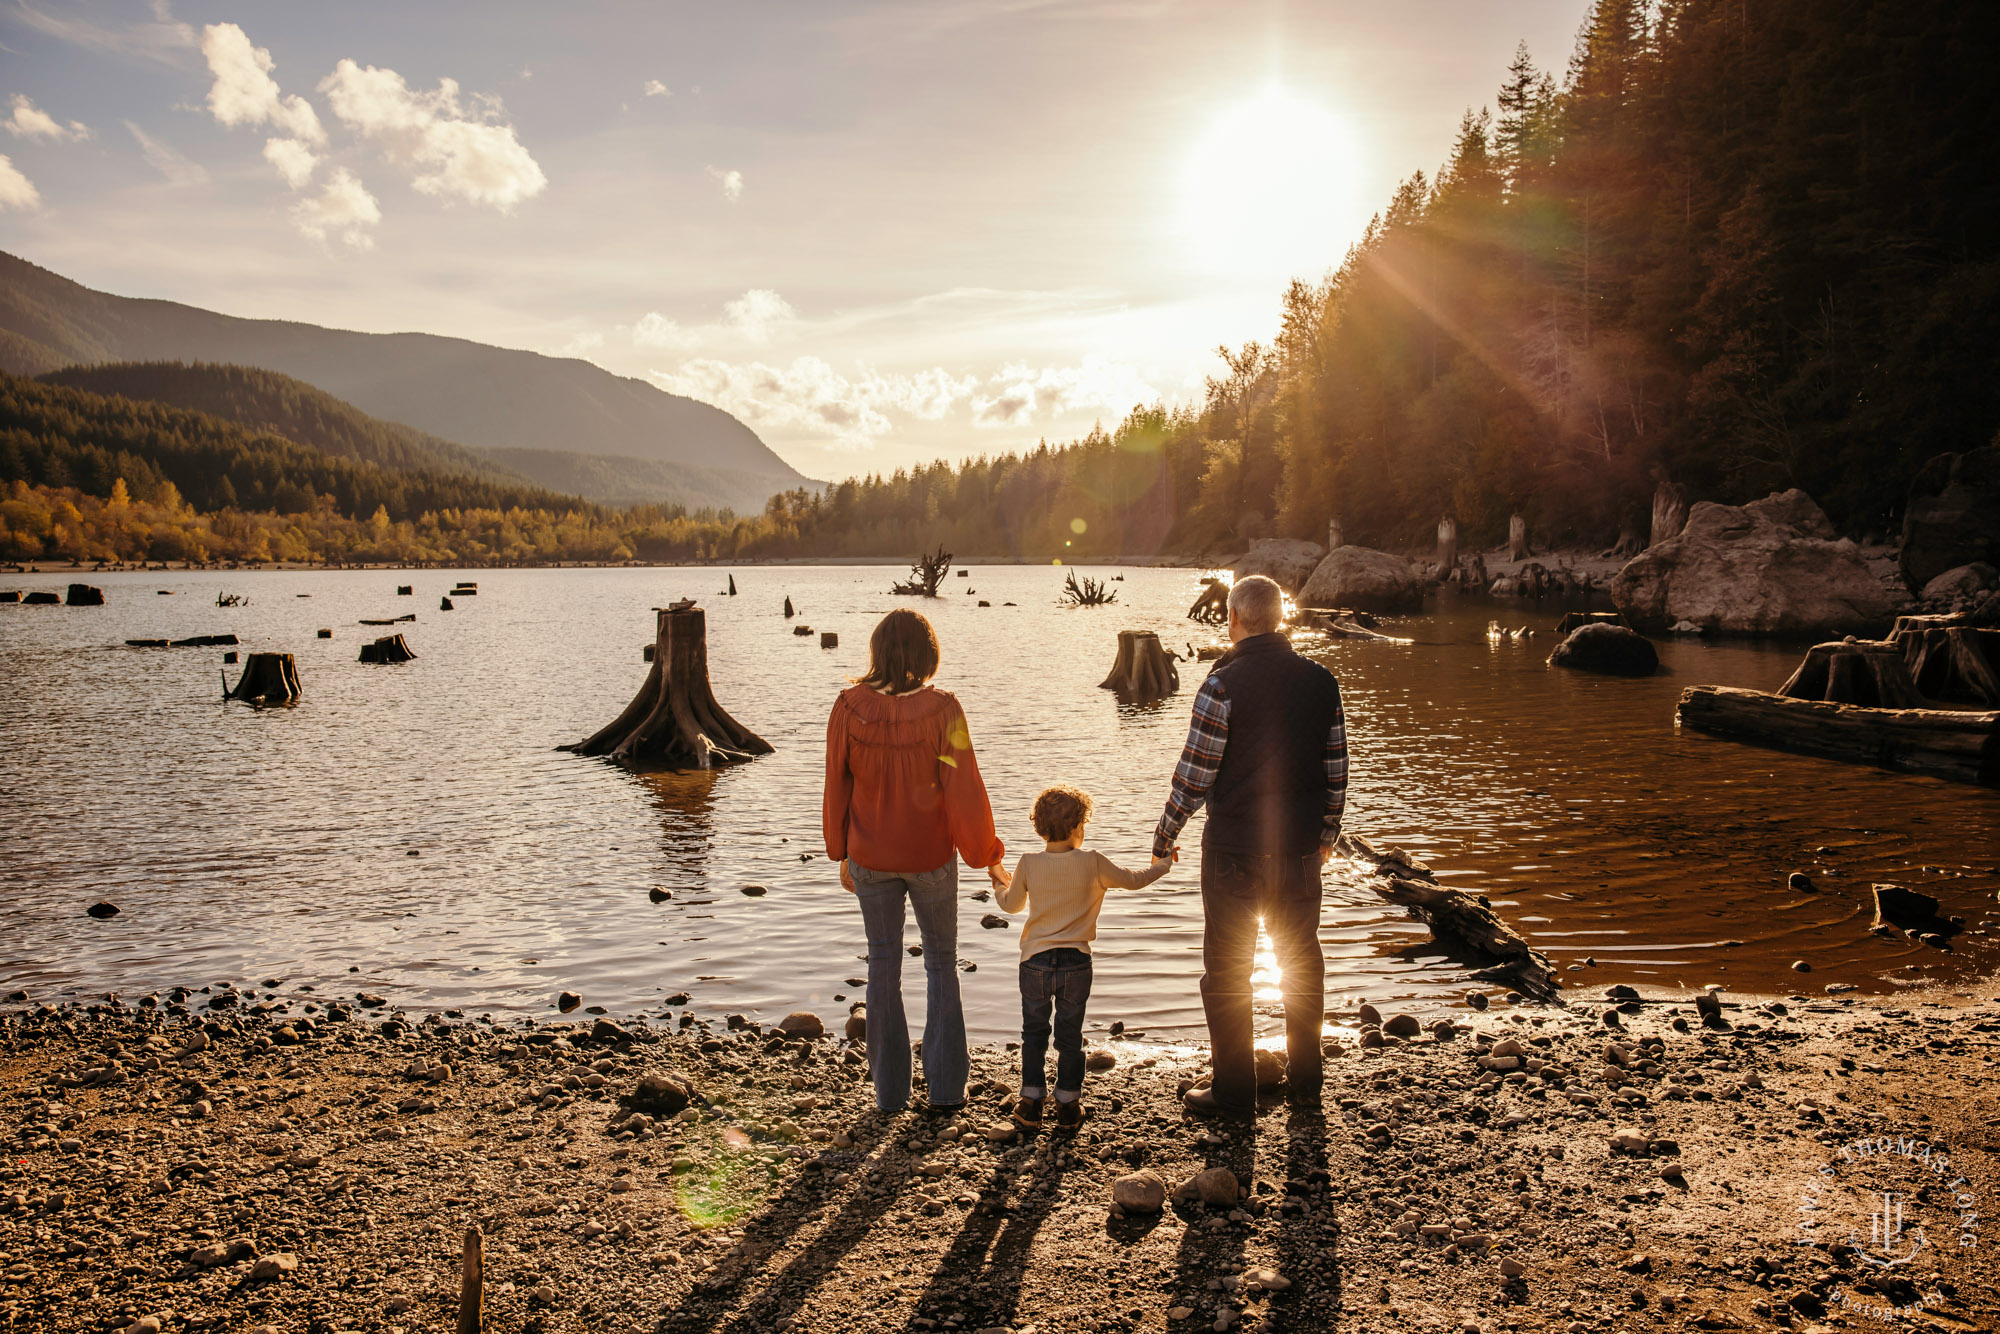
(1062, 892)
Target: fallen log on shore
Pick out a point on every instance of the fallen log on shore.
(1458, 920)
(1963, 746)
(675, 722)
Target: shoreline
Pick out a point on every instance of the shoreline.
(252, 1166)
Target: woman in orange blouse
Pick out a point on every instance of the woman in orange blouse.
(903, 793)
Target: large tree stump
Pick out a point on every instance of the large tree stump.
(1447, 546)
(1670, 512)
(1517, 538)
(674, 722)
(1461, 921)
(387, 649)
(1870, 673)
(1950, 659)
(268, 678)
(1142, 670)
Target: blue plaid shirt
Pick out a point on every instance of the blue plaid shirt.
(1201, 758)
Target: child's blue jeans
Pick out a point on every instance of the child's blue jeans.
(1054, 982)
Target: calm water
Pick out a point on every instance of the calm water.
(411, 830)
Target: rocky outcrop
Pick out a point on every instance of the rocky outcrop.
(1610, 649)
(1953, 515)
(1771, 567)
(1289, 561)
(1964, 583)
(1362, 579)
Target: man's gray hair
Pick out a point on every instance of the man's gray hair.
(1258, 603)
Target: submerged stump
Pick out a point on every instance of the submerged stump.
(1143, 669)
(268, 678)
(389, 648)
(674, 722)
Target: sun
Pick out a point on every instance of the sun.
(1270, 187)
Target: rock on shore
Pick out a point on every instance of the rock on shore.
(1363, 579)
(1288, 560)
(1773, 566)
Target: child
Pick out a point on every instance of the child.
(1062, 887)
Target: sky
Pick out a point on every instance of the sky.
(879, 233)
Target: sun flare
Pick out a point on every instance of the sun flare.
(1271, 186)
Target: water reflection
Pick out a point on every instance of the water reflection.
(686, 806)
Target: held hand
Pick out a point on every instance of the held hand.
(1325, 853)
(846, 877)
(1173, 855)
(999, 875)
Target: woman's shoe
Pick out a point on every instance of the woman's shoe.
(1028, 1113)
(1069, 1115)
(944, 1109)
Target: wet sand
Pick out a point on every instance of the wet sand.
(234, 1164)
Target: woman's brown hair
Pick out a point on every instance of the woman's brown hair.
(902, 653)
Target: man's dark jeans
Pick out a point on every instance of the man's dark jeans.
(1237, 890)
(1055, 980)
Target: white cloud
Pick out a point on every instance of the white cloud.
(458, 156)
(811, 397)
(1018, 392)
(294, 160)
(761, 313)
(656, 330)
(167, 160)
(16, 190)
(730, 181)
(31, 122)
(344, 206)
(244, 93)
(654, 88)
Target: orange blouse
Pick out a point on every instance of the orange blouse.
(902, 786)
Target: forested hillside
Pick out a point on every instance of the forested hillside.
(267, 401)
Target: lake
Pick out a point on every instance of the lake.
(411, 830)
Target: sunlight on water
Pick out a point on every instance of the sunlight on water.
(243, 844)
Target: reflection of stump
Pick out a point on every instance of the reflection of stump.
(674, 721)
(1866, 672)
(1212, 607)
(1143, 670)
(389, 648)
(268, 678)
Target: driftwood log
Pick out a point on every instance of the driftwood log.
(1867, 672)
(387, 649)
(268, 678)
(674, 722)
(1143, 669)
(1341, 623)
(1960, 745)
(1212, 607)
(472, 1284)
(1459, 921)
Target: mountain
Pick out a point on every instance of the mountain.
(268, 401)
(482, 396)
(59, 436)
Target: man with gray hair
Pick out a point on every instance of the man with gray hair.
(1267, 754)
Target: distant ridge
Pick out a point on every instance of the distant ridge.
(471, 393)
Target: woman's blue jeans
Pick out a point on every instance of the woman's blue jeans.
(934, 897)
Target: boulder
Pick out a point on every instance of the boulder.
(1364, 580)
(1961, 581)
(1770, 567)
(802, 1024)
(1217, 1188)
(660, 1095)
(1952, 517)
(1270, 1068)
(1289, 561)
(1142, 1192)
(1611, 649)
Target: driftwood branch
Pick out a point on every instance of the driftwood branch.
(1089, 593)
(926, 573)
(1457, 920)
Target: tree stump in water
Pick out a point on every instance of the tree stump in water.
(789, 613)
(83, 595)
(1212, 607)
(268, 678)
(1950, 659)
(389, 648)
(1517, 538)
(444, 604)
(732, 585)
(405, 590)
(674, 722)
(1870, 673)
(926, 573)
(1143, 670)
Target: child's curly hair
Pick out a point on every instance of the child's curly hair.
(1060, 812)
